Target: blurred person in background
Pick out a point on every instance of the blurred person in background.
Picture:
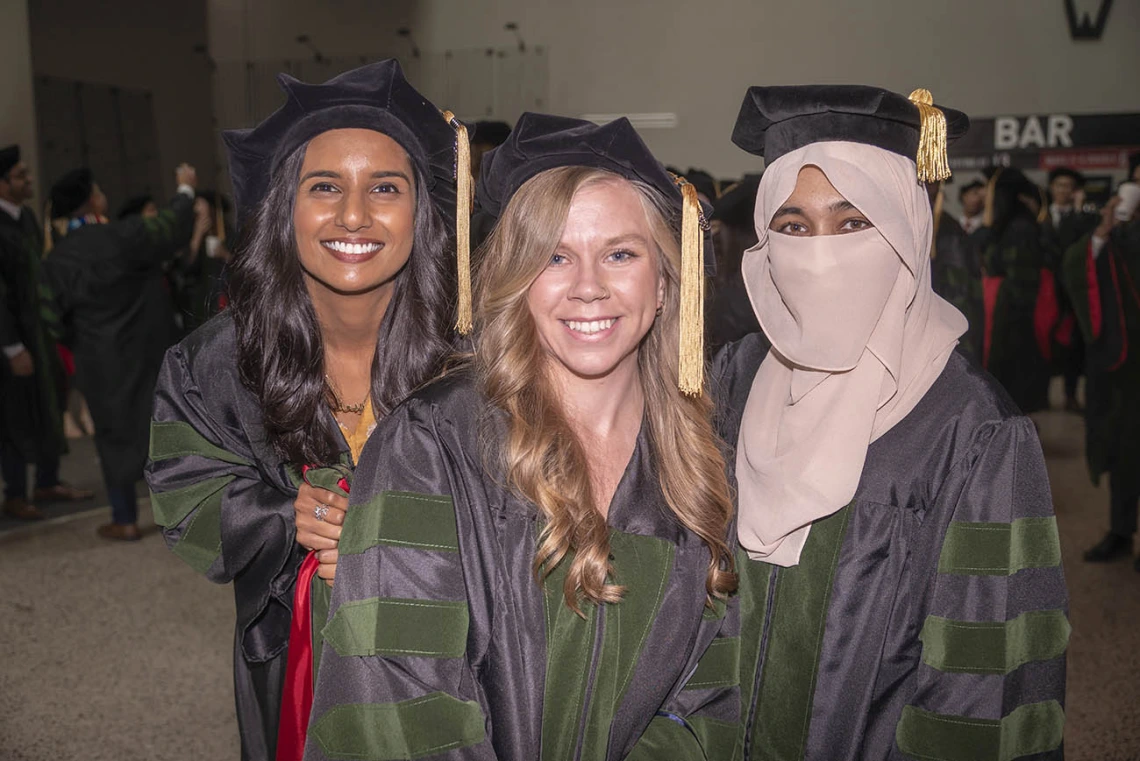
(199, 272)
(1066, 223)
(31, 375)
(141, 206)
(956, 272)
(1102, 274)
(730, 314)
(106, 287)
(972, 196)
(1019, 291)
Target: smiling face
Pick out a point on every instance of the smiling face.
(599, 294)
(815, 207)
(354, 214)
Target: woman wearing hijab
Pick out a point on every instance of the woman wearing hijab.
(537, 557)
(901, 588)
(340, 305)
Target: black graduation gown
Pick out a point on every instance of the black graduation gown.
(30, 416)
(108, 286)
(956, 275)
(1105, 293)
(225, 501)
(925, 620)
(1020, 323)
(442, 645)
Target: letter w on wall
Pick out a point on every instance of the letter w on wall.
(1087, 18)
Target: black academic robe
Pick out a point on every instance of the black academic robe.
(1069, 348)
(30, 410)
(224, 499)
(926, 619)
(441, 644)
(1024, 313)
(107, 281)
(1105, 292)
(956, 275)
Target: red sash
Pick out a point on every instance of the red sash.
(297, 697)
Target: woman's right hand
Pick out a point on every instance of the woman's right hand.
(313, 534)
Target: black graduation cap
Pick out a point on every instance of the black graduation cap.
(490, 133)
(705, 183)
(9, 157)
(778, 120)
(541, 141)
(70, 192)
(376, 96)
(737, 203)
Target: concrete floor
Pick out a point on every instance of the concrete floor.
(121, 652)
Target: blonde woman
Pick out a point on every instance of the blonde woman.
(536, 558)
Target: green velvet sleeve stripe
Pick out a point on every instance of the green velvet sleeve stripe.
(719, 666)
(320, 600)
(179, 439)
(389, 626)
(171, 507)
(410, 729)
(717, 738)
(201, 543)
(1000, 549)
(401, 519)
(1029, 729)
(993, 648)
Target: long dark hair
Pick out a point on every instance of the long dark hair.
(280, 347)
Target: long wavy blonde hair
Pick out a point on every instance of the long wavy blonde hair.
(542, 458)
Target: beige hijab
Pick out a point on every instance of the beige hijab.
(858, 338)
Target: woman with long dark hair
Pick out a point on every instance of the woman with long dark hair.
(341, 301)
(538, 555)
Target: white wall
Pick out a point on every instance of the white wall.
(17, 105)
(695, 58)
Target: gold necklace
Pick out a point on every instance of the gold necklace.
(351, 409)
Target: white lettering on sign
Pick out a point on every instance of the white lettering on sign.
(1005, 133)
(1032, 136)
(1060, 131)
(1012, 133)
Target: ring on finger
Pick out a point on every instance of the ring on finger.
(320, 511)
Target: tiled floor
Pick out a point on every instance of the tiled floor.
(121, 652)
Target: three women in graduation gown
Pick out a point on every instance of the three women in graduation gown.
(340, 293)
(492, 600)
(901, 592)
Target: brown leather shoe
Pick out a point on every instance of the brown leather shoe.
(62, 492)
(22, 510)
(122, 532)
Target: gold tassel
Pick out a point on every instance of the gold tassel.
(48, 244)
(692, 363)
(463, 183)
(931, 160)
(939, 202)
